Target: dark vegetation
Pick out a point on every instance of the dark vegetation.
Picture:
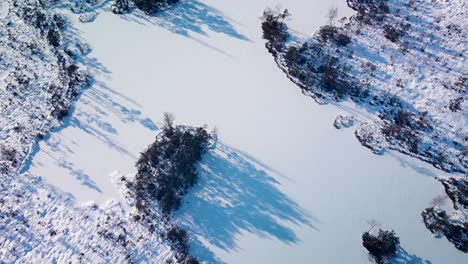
(329, 32)
(370, 11)
(153, 6)
(179, 240)
(381, 247)
(439, 222)
(166, 170)
(457, 191)
(120, 7)
(274, 28)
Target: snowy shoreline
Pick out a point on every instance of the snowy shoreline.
(272, 191)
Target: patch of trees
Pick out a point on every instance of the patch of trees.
(311, 63)
(331, 78)
(324, 69)
(153, 6)
(275, 31)
(369, 10)
(166, 169)
(381, 247)
(403, 127)
(120, 7)
(334, 34)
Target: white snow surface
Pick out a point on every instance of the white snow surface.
(282, 185)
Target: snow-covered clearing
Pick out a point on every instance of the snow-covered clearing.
(283, 185)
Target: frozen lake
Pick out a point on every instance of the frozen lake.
(283, 185)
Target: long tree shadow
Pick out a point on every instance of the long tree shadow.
(189, 16)
(235, 195)
(403, 257)
(92, 112)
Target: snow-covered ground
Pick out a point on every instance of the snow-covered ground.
(283, 185)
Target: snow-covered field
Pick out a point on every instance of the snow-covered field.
(283, 185)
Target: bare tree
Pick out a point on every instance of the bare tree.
(372, 223)
(168, 120)
(332, 14)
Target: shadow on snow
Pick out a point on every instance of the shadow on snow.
(235, 194)
(98, 104)
(403, 257)
(187, 18)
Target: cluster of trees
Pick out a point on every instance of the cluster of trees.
(381, 247)
(403, 127)
(166, 169)
(152, 6)
(274, 28)
(165, 172)
(369, 10)
(331, 32)
(334, 34)
(310, 64)
(120, 6)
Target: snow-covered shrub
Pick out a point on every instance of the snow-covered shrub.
(342, 121)
(87, 17)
